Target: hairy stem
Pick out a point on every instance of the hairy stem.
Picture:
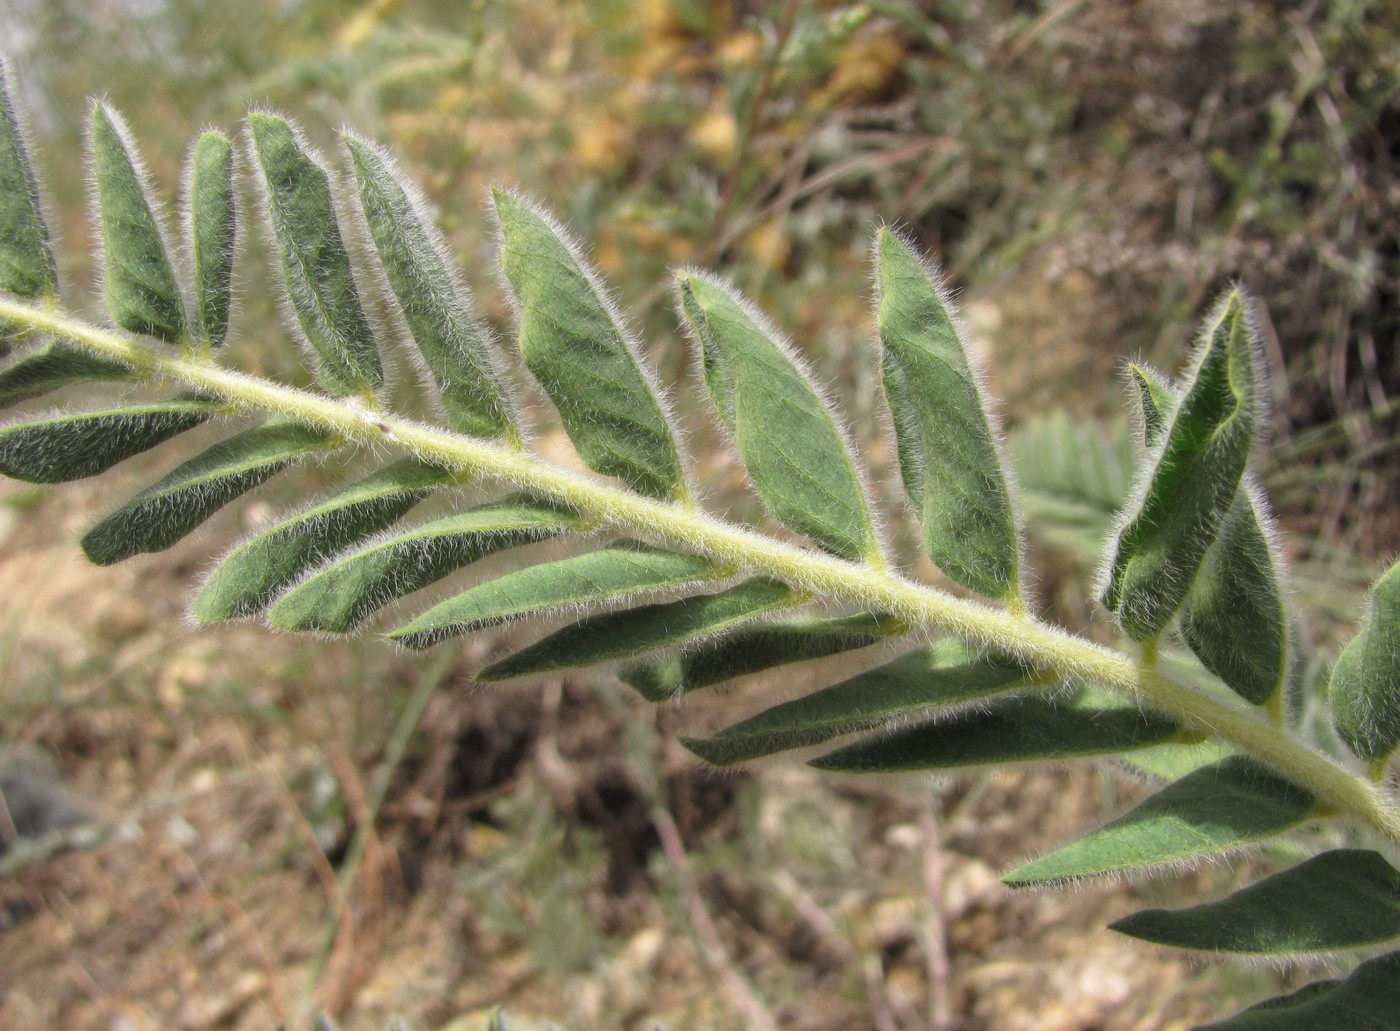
(1049, 649)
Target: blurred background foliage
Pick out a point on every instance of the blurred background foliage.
(1090, 173)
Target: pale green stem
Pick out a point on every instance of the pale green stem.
(1048, 649)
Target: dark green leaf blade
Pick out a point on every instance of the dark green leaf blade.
(211, 218)
(27, 266)
(1368, 1000)
(574, 342)
(316, 276)
(948, 455)
(620, 571)
(1341, 899)
(1217, 809)
(71, 446)
(343, 593)
(253, 574)
(941, 674)
(1192, 480)
(620, 635)
(52, 366)
(137, 280)
(454, 344)
(1233, 617)
(755, 649)
(1027, 729)
(165, 512)
(787, 435)
(1364, 692)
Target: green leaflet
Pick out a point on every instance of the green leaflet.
(616, 572)
(212, 223)
(1367, 1000)
(316, 273)
(1169, 762)
(1364, 692)
(165, 512)
(573, 341)
(52, 366)
(453, 343)
(755, 649)
(1233, 618)
(1337, 900)
(1193, 481)
(1155, 402)
(786, 433)
(1224, 806)
(137, 281)
(941, 674)
(620, 635)
(27, 267)
(257, 570)
(947, 452)
(63, 447)
(340, 595)
(1011, 730)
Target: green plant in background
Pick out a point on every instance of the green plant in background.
(682, 599)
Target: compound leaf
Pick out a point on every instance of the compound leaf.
(340, 595)
(1011, 730)
(52, 366)
(67, 446)
(319, 286)
(137, 281)
(453, 343)
(620, 635)
(1364, 692)
(27, 267)
(211, 219)
(248, 579)
(947, 452)
(165, 512)
(757, 648)
(1341, 899)
(620, 571)
(1366, 1001)
(1221, 807)
(941, 674)
(1192, 479)
(786, 433)
(573, 341)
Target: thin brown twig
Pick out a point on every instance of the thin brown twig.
(935, 926)
(729, 189)
(711, 946)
